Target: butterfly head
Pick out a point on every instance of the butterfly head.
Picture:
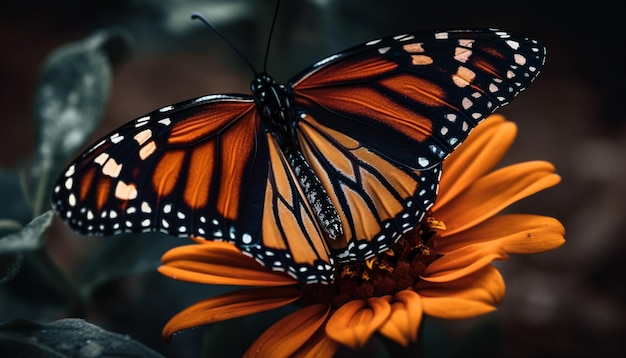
(274, 103)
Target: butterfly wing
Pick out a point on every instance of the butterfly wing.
(379, 199)
(203, 168)
(394, 108)
(292, 239)
(186, 169)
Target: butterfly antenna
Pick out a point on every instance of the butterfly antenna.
(269, 39)
(198, 16)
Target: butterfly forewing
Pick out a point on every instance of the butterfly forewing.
(187, 169)
(416, 97)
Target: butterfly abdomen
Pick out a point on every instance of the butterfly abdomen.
(315, 194)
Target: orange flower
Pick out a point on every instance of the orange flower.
(442, 268)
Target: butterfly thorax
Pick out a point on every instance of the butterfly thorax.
(274, 103)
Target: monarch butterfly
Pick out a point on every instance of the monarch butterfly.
(330, 167)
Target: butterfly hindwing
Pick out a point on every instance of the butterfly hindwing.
(293, 241)
(378, 199)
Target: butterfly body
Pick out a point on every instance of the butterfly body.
(275, 107)
(330, 167)
(274, 103)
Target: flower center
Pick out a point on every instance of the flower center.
(386, 273)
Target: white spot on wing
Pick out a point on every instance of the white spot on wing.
(70, 171)
(466, 103)
(116, 138)
(462, 54)
(71, 200)
(125, 191)
(143, 136)
(111, 168)
(519, 59)
(141, 121)
(463, 76)
(420, 60)
(414, 47)
(147, 150)
(101, 158)
(513, 44)
(145, 207)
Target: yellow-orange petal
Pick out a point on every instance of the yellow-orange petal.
(405, 318)
(494, 192)
(318, 346)
(483, 150)
(463, 262)
(353, 323)
(517, 233)
(289, 334)
(230, 305)
(467, 297)
(221, 264)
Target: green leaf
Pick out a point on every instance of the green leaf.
(12, 246)
(30, 237)
(71, 96)
(73, 92)
(14, 205)
(10, 265)
(67, 338)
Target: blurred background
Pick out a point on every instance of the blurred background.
(566, 303)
